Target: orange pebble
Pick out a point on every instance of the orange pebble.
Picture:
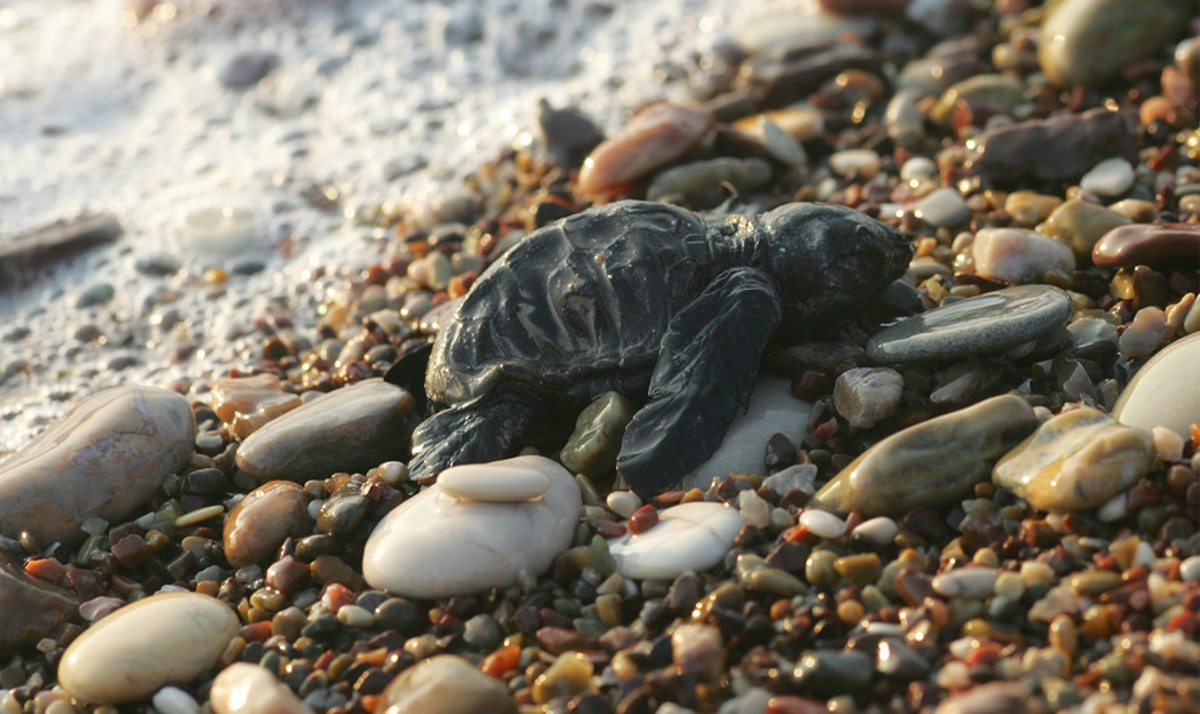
(502, 661)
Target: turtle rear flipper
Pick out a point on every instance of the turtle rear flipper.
(486, 429)
(705, 371)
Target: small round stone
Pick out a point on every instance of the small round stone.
(822, 524)
(1109, 178)
(495, 484)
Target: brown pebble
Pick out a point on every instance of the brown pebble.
(1154, 244)
(643, 519)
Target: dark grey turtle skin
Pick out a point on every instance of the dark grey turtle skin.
(653, 302)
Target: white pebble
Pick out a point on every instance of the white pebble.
(1109, 178)
(798, 477)
(861, 163)
(1114, 509)
(499, 483)
(942, 208)
(879, 530)
(314, 508)
(392, 472)
(355, 616)
(969, 583)
(755, 511)
(1017, 255)
(623, 503)
(1168, 444)
(918, 167)
(1189, 569)
(173, 700)
(822, 524)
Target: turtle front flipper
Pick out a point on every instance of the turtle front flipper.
(486, 429)
(704, 372)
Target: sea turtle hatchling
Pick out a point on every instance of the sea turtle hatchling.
(651, 301)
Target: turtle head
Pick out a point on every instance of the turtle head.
(829, 262)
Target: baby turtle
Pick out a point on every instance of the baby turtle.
(651, 301)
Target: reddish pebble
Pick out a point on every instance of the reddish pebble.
(795, 705)
(285, 573)
(502, 661)
(643, 519)
(132, 551)
(657, 135)
(1154, 244)
(337, 596)
(47, 569)
(256, 631)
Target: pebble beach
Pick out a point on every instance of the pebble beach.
(223, 224)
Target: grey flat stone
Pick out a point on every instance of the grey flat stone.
(982, 325)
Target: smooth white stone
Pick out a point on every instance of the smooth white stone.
(623, 503)
(918, 167)
(1167, 443)
(772, 410)
(497, 484)
(943, 207)
(1166, 390)
(755, 511)
(879, 530)
(1109, 178)
(822, 524)
(774, 26)
(690, 536)
(355, 616)
(243, 687)
(862, 163)
(433, 545)
(1017, 255)
(1189, 569)
(136, 650)
(971, 583)
(173, 700)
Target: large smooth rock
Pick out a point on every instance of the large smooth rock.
(980, 326)
(1165, 391)
(106, 457)
(130, 654)
(1089, 42)
(655, 136)
(1160, 244)
(1076, 460)
(32, 608)
(260, 522)
(932, 464)
(690, 536)
(445, 684)
(1056, 149)
(242, 688)
(772, 410)
(434, 545)
(351, 429)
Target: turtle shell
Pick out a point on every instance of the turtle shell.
(577, 307)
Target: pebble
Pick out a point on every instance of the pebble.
(880, 530)
(567, 134)
(570, 674)
(1144, 333)
(246, 403)
(998, 91)
(973, 583)
(1018, 255)
(772, 410)
(96, 295)
(655, 136)
(173, 700)
(690, 536)
(1075, 143)
(1165, 391)
(1075, 461)
(788, 25)
(989, 698)
(243, 687)
(132, 653)
(1189, 569)
(105, 458)
(798, 477)
(866, 396)
(822, 524)
(942, 208)
(1088, 42)
(1079, 224)
(434, 545)
(1029, 208)
(258, 524)
(445, 684)
(708, 182)
(1109, 178)
(858, 164)
(593, 447)
(351, 429)
(1167, 444)
(501, 483)
(755, 511)
(623, 503)
(698, 650)
(248, 69)
(32, 607)
(932, 464)
(982, 325)
(1174, 245)
(829, 674)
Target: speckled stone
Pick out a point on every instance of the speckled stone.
(260, 522)
(105, 458)
(32, 608)
(983, 325)
(1089, 42)
(434, 545)
(242, 688)
(351, 429)
(1165, 391)
(1075, 461)
(932, 464)
(1156, 244)
(690, 536)
(130, 654)
(445, 684)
